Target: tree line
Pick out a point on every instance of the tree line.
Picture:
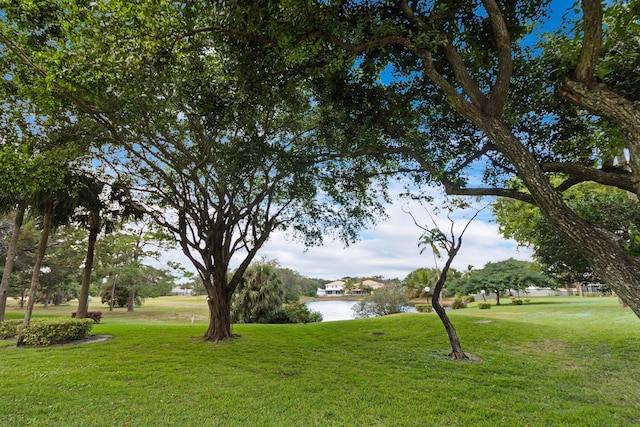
(124, 272)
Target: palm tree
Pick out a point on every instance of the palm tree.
(260, 293)
(418, 280)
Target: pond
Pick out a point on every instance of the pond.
(337, 309)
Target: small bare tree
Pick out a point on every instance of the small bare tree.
(436, 240)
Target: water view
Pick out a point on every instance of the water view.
(332, 310)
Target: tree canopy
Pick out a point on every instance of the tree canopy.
(460, 87)
(227, 109)
(500, 277)
(217, 144)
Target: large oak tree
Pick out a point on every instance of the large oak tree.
(462, 88)
(214, 142)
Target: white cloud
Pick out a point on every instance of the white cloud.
(390, 249)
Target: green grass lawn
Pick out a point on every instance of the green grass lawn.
(553, 362)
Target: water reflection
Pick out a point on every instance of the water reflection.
(332, 310)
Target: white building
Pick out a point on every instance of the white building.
(337, 288)
(334, 288)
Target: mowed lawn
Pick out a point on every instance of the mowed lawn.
(553, 362)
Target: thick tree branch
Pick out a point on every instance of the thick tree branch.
(260, 39)
(615, 177)
(592, 41)
(500, 90)
(453, 56)
(492, 192)
(625, 114)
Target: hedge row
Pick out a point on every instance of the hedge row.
(9, 328)
(44, 332)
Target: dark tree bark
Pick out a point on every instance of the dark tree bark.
(451, 244)
(131, 300)
(113, 292)
(219, 302)
(456, 348)
(497, 291)
(35, 277)
(11, 256)
(83, 299)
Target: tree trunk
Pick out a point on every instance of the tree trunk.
(602, 249)
(11, 256)
(497, 291)
(113, 292)
(456, 348)
(219, 312)
(132, 300)
(83, 299)
(35, 277)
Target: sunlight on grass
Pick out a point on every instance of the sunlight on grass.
(564, 361)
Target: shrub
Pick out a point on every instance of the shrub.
(458, 303)
(300, 313)
(424, 308)
(44, 332)
(516, 301)
(9, 328)
(469, 299)
(527, 300)
(484, 305)
(383, 301)
(293, 312)
(93, 315)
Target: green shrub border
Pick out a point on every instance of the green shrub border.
(43, 332)
(9, 328)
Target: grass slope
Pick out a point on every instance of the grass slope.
(554, 362)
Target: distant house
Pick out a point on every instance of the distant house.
(337, 288)
(366, 285)
(334, 288)
(179, 290)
